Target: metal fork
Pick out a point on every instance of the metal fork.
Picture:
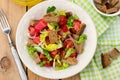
(6, 29)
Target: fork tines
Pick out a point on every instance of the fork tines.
(3, 20)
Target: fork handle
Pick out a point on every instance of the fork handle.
(17, 60)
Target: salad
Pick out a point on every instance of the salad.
(56, 39)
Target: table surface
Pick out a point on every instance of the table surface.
(14, 13)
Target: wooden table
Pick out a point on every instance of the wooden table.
(14, 13)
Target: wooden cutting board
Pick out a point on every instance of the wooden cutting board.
(14, 13)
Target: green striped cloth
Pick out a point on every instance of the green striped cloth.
(108, 31)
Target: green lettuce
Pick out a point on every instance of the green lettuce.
(62, 12)
(45, 52)
(31, 49)
(69, 52)
(81, 39)
(64, 66)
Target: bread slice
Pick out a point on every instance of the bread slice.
(114, 53)
(102, 8)
(98, 1)
(118, 5)
(113, 2)
(105, 58)
(112, 10)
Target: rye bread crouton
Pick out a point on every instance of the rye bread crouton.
(75, 36)
(113, 2)
(36, 58)
(71, 61)
(114, 53)
(98, 1)
(112, 10)
(102, 8)
(105, 59)
(79, 47)
(34, 22)
(118, 5)
(30, 42)
(51, 17)
(82, 28)
(53, 36)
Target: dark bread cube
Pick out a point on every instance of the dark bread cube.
(114, 53)
(112, 10)
(105, 58)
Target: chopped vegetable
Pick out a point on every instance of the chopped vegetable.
(42, 63)
(81, 39)
(64, 66)
(51, 9)
(53, 25)
(70, 22)
(51, 47)
(30, 49)
(43, 36)
(62, 12)
(45, 52)
(69, 52)
(40, 25)
(63, 20)
(76, 17)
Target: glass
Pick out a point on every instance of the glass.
(27, 2)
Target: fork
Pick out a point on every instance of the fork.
(6, 29)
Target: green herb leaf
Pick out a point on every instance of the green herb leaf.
(51, 9)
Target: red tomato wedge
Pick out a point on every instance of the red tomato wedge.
(49, 64)
(42, 56)
(36, 40)
(63, 20)
(41, 25)
(64, 28)
(74, 55)
(54, 53)
(32, 30)
(68, 44)
(77, 25)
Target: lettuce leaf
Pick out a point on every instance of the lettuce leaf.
(64, 66)
(31, 49)
(51, 47)
(62, 12)
(69, 52)
(81, 39)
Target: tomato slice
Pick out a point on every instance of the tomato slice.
(68, 44)
(49, 64)
(36, 40)
(54, 53)
(63, 20)
(74, 55)
(41, 25)
(77, 25)
(42, 56)
(32, 30)
(64, 28)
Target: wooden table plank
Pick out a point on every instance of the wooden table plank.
(14, 13)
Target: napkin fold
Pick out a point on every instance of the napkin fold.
(108, 32)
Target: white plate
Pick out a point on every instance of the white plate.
(37, 12)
